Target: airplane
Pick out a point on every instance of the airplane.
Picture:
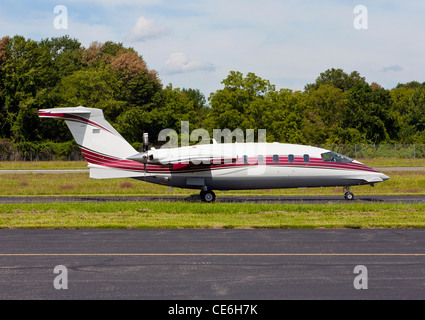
(213, 166)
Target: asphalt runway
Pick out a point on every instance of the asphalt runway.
(220, 198)
(210, 264)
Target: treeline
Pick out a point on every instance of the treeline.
(338, 108)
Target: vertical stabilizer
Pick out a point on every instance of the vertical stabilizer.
(98, 140)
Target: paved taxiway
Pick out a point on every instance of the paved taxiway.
(213, 264)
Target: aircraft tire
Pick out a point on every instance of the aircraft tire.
(349, 196)
(208, 196)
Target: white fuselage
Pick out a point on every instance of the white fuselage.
(253, 166)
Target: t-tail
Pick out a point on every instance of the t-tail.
(103, 147)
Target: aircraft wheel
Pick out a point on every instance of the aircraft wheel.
(349, 196)
(208, 196)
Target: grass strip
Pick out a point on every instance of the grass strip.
(173, 215)
(42, 165)
(401, 183)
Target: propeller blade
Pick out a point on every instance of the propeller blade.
(145, 142)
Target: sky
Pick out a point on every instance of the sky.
(195, 44)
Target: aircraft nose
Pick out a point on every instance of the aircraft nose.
(384, 177)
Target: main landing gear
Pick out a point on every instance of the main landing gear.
(207, 195)
(348, 195)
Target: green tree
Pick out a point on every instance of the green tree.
(169, 107)
(368, 113)
(65, 57)
(400, 102)
(137, 84)
(416, 115)
(92, 88)
(326, 107)
(337, 78)
(200, 107)
(239, 103)
(24, 73)
(5, 128)
(283, 116)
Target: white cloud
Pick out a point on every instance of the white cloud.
(147, 29)
(394, 68)
(180, 63)
(113, 3)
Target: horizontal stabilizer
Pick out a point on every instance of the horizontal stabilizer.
(54, 112)
(109, 173)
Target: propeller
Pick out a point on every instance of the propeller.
(145, 142)
(143, 156)
(145, 150)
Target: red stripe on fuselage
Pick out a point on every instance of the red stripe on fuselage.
(107, 161)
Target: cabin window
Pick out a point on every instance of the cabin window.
(275, 158)
(306, 158)
(96, 130)
(245, 159)
(335, 157)
(260, 159)
(291, 158)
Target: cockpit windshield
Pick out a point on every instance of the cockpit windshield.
(335, 157)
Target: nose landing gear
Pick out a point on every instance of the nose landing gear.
(348, 195)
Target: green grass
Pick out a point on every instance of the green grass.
(69, 184)
(219, 215)
(42, 165)
(393, 162)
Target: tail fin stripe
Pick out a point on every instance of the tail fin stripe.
(93, 157)
(102, 156)
(96, 157)
(108, 161)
